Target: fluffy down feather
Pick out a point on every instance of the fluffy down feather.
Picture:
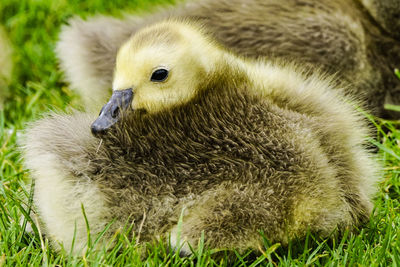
(237, 161)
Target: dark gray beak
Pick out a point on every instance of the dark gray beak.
(110, 113)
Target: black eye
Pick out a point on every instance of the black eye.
(159, 75)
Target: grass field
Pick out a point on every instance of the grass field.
(37, 86)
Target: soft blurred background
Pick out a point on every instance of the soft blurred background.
(31, 85)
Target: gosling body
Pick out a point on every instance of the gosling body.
(235, 150)
(337, 37)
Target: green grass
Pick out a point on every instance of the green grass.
(37, 86)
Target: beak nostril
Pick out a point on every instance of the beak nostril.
(115, 112)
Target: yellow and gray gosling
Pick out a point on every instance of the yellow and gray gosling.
(240, 146)
(342, 37)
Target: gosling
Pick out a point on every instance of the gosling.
(357, 40)
(236, 146)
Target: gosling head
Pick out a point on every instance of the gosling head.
(160, 67)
